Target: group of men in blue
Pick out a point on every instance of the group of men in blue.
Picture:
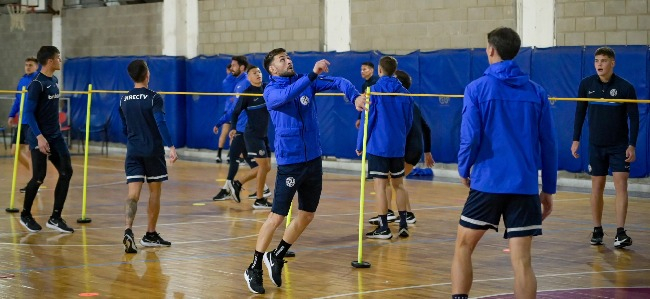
(506, 129)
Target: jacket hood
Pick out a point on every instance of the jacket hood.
(509, 72)
(387, 84)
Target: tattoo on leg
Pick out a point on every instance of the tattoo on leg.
(131, 208)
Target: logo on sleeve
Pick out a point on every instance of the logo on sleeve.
(304, 100)
(613, 92)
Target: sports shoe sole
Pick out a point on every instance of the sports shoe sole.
(231, 188)
(404, 233)
(54, 227)
(380, 237)
(267, 263)
(596, 243)
(248, 285)
(148, 244)
(129, 244)
(622, 244)
(261, 207)
(30, 230)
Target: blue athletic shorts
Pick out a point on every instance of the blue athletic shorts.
(153, 169)
(381, 167)
(522, 213)
(306, 179)
(601, 158)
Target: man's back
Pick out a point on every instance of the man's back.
(137, 111)
(507, 127)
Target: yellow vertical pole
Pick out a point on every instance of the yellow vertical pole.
(83, 218)
(11, 208)
(359, 263)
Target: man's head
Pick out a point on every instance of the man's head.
(604, 61)
(503, 44)
(367, 70)
(387, 66)
(31, 65)
(278, 63)
(138, 71)
(403, 77)
(49, 57)
(254, 75)
(238, 65)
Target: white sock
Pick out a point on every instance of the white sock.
(225, 186)
(266, 187)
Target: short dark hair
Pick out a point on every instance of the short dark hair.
(45, 53)
(403, 77)
(31, 58)
(270, 56)
(388, 65)
(607, 51)
(228, 66)
(138, 70)
(506, 41)
(250, 67)
(241, 60)
(369, 64)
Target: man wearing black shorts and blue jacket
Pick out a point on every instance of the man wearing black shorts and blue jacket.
(143, 119)
(609, 144)
(290, 101)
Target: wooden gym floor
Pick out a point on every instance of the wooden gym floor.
(213, 243)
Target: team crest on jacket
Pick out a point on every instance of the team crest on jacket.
(304, 100)
(291, 182)
(443, 100)
(613, 92)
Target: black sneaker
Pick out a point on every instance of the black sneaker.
(223, 195)
(404, 232)
(274, 266)
(267, 193)
(218, 160)
(129, 242)
(390, 217)
(254, 280)
(262, 204)
(60, 225)
(410, 218)
(622, 240)
(597, 237)
(235, 189)
(29, 223)
(378, 233)
(154, 240)
(22, 190)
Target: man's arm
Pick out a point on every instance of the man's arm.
(581, 113)
(124, 128)
(276, 97)
(372, 120)
(470, 135)
(326, 83)
(159, 115)
(242, 103)
(33, 92)
(633, 114)
(548, 147)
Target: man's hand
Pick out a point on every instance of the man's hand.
(630, 153)
(428, 160)
(43, 145)
(9, 122)
(172, 155)
(360, 103)
(358, 152)
(215, 130)
(321, 66)
(574, 149)
(547, 204)
(232, 133)
(465, 182)
(357, 123)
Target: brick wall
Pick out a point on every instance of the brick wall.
(15, 47)
(602, 22)
(253, 26)
(404, 26)
(114, 30)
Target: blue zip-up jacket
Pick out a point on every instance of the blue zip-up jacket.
(234, 84)
(389, 121)
(506, 128)
(240, 86)
(24, 81)
(290, 101)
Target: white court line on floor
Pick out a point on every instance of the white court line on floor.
(479, 280)
(567, 289)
